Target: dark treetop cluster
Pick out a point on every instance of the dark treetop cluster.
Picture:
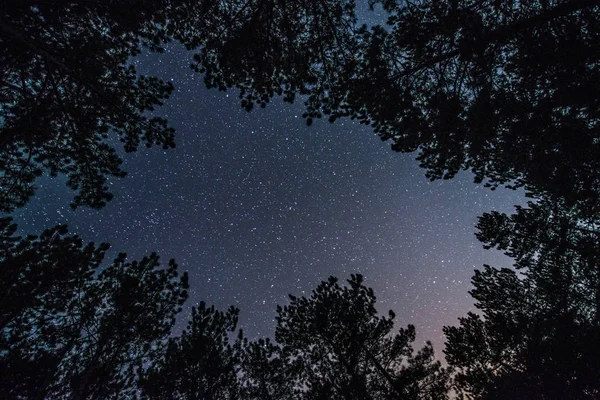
(505, 89)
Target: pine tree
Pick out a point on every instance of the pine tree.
(73, 329)
(200, 363)
(335, 346)
(537, 335)
(68, 93)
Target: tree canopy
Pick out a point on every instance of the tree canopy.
(489, 86)
(68, 94)
(540, 323)
(481, 85)
(339, 348)
(486, 86)
(200, 363)
(73, 329)
(332, 345)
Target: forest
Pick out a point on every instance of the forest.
(507, 90)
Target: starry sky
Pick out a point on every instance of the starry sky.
(258, 205)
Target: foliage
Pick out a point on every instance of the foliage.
(200, 363)
(67, 94)
(331, 346)
(481, 85)
(538, 334)
(506, 89)
(337, 347)
(266, 48)
(71, 330)
(265, 372)
(40, 279)
(490, 86)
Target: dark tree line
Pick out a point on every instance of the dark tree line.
(73, 329)
(505, 89)
(68, 94)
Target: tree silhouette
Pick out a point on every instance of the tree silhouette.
(71, 330)
(505, 89)
(337, 347)
(537, 337)
(200, 363)
(265, 48)
(264, 371)
(482, 85)
(39, 279)
(67, 93)
(331, 346)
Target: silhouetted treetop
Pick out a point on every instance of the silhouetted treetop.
(266, 48)
(71, 329)
(67, 93)
(543, 231)
(332, 345)
(503, 88)
(526, 344)
(341, 349)
(198, 364)
(539, 327)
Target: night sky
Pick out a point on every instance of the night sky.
(258, 205)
